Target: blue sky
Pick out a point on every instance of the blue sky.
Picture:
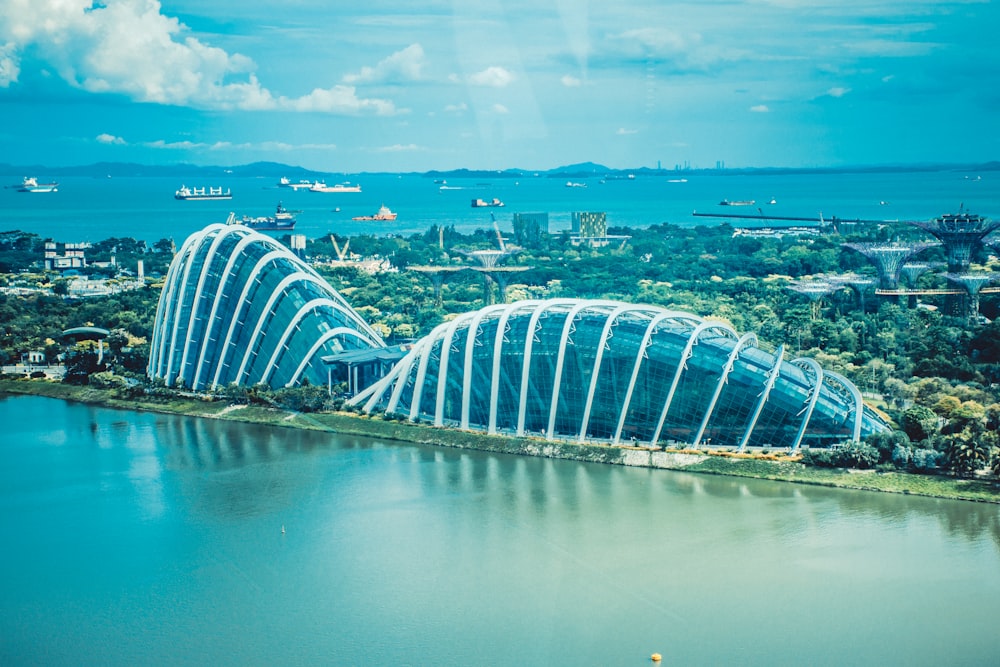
(388, 85)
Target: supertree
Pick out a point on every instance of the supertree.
(888, 258)
(959, 233)
(973, 284)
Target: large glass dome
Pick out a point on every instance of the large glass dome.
(616, 372)
(238, 307)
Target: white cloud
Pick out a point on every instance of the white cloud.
(105, 138)
(621, 131)
(499, 108)
(403, 65)
(495, 77)
(461, 107)
(229, 146)
(338, 99)
(10, 64)
(838, 91)
(130, 47)
(570, 81)
(760, 108)
(399, 148)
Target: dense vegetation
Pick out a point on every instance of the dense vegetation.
(935, 375)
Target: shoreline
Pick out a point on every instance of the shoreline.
(772, 468)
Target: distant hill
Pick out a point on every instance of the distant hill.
(572, 171)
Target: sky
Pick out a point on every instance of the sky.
(396, 86)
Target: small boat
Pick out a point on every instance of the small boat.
(482, 203)
(31, 184)
(384, 214)
(575, 184)
(301, 185)
(773, 201)
(738, 202)
(282, 220)
(677, 180)
(197, 194)
(320, 186)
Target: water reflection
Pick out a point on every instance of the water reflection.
(231, 470)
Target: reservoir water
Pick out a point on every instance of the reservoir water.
(146, 539)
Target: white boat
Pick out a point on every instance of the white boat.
(301, 185)
(574, 184)
(320, 186)
(199, 194)
(31, 184)
(482, 203)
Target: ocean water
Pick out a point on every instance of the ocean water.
(92, 209)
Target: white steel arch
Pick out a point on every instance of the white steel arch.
(220, 237)
(227, 272)
(608, 324)
(442, 378)
(745, 339)
(772, 376)
(293, 323)
(639, 356)
(497, 355)
(529, 341)
(179, 266)
(812, 398)
(264, 260)
(279, 291)
(859, 403)
(418, 383)
(470, 341)
(320, 342)
(568, 325)
(682, 367)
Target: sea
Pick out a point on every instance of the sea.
(92, 209)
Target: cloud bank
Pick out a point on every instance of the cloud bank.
(129, 47)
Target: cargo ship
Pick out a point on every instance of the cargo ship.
(196, 194)
(320, 186)
(282, 220)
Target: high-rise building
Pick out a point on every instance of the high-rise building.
(530, 228)
(590, 224)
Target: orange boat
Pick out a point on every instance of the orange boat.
(383, 214)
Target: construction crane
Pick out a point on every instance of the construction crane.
(341, 252)
(500, 238)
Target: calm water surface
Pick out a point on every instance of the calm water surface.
(93, 209)
(143, 539)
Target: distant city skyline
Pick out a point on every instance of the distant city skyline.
(483, 84)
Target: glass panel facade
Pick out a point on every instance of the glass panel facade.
(234, 310)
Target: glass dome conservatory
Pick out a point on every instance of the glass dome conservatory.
(238, 307)
(617, 372)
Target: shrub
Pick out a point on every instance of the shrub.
(925, 460)
(857, 455)
(820, 458)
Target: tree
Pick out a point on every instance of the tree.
(919, 423)
(967, 452)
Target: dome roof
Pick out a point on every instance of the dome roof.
(611, 371)
(238, 307)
